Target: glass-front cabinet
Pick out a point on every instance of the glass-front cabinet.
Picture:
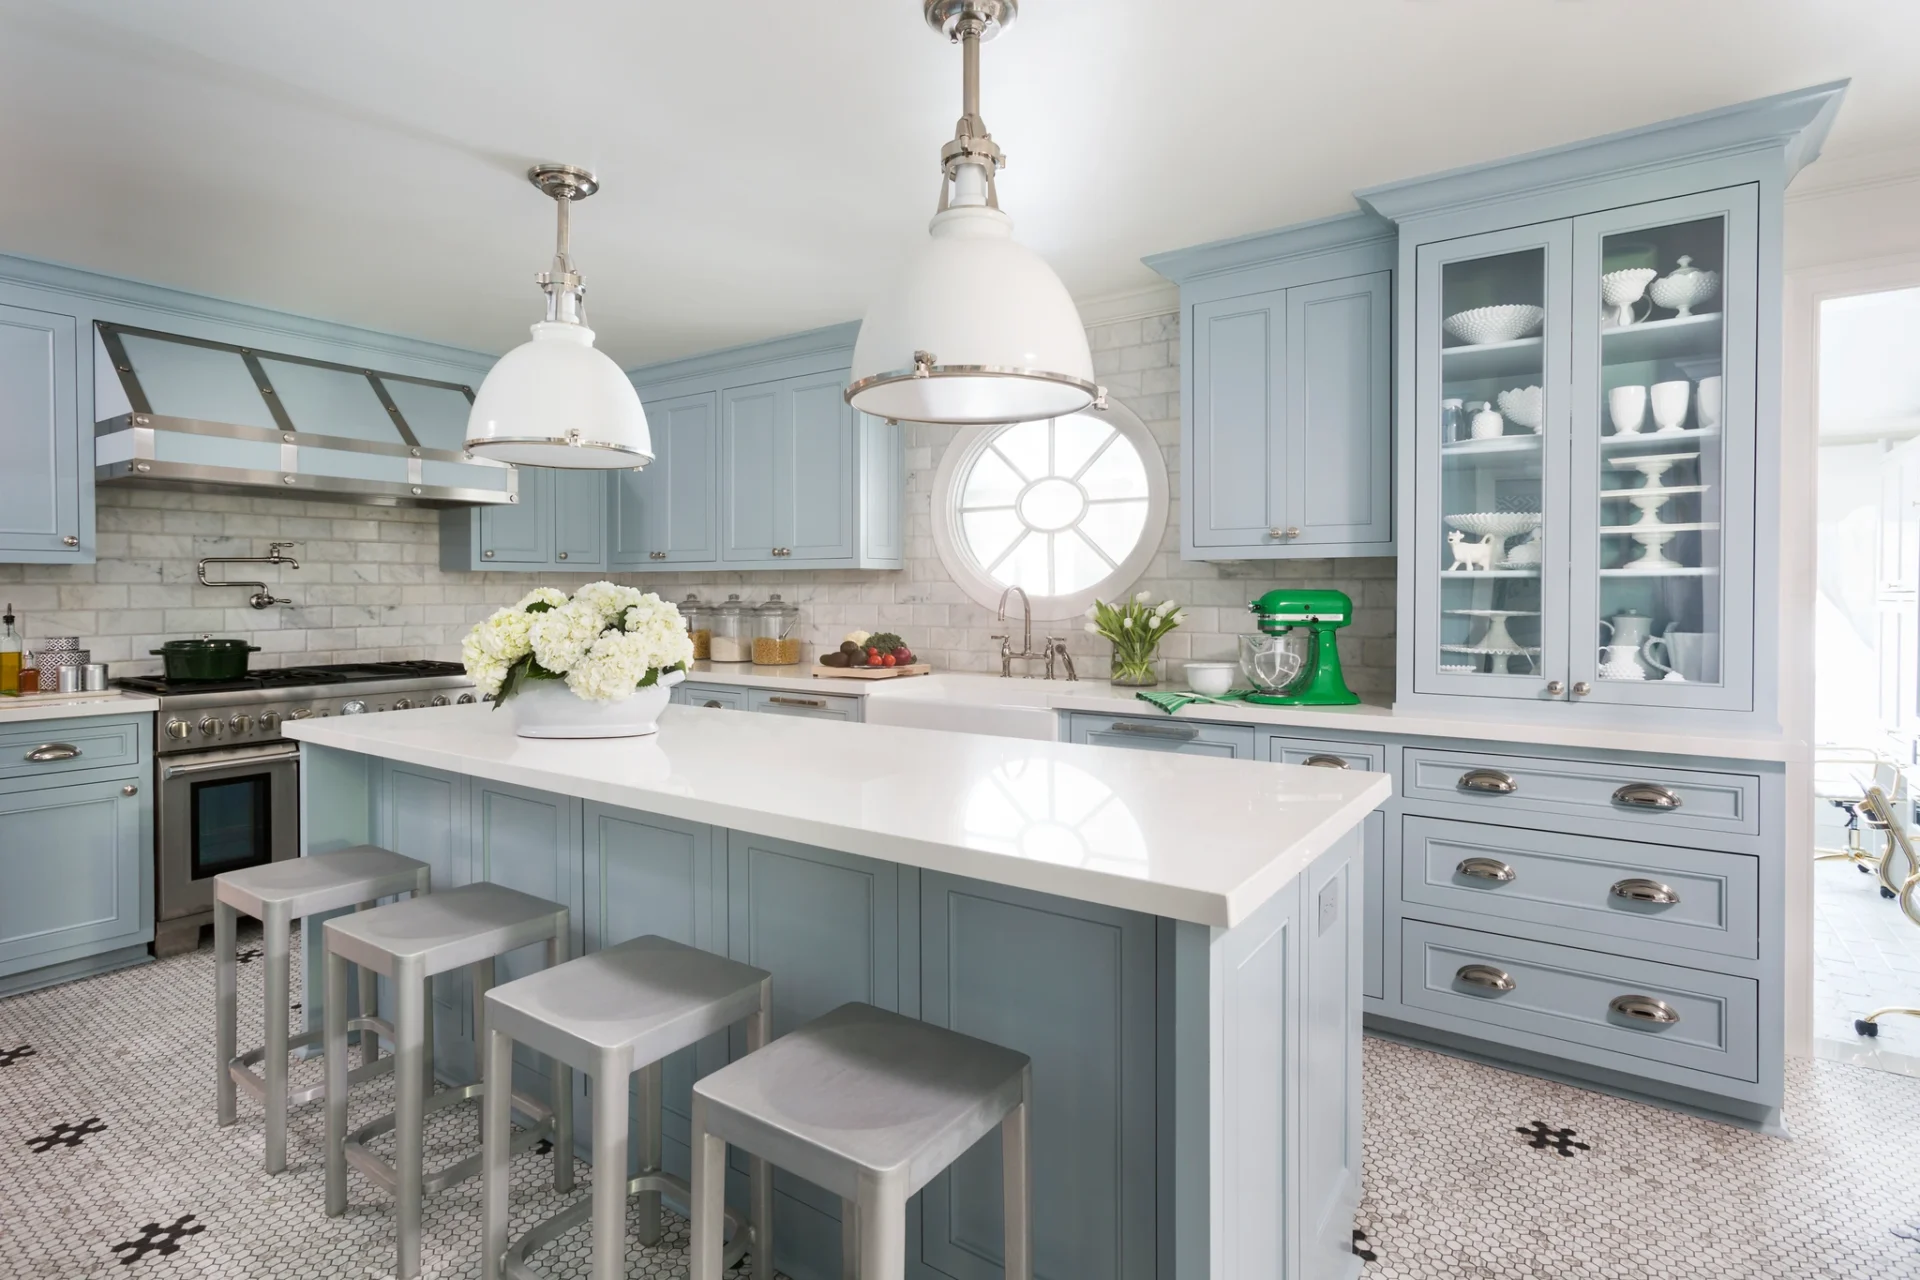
(1584, 456)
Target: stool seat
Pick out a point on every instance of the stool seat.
(320, 882)
(443, 931)
(862, 1089)
(628, 1005)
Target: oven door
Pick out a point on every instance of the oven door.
(221, 811)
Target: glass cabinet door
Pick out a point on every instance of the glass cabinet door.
(1491, 417)
(1664, 313)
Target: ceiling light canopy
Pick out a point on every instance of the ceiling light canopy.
(557, 401)
(977, 329)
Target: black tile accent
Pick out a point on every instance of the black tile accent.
(10, 1056)
(247, 955)
(1360, 1249)
(543, 1146)
(1540, 1137)
(66, 1135)
(154, 1238)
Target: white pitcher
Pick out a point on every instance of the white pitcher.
(1621, 662)
(1664, 645)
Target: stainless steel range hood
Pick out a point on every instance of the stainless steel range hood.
(187, 413)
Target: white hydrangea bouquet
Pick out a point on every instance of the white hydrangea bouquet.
(596, 664)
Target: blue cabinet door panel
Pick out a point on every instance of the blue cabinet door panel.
(750, 438)
(41, 439)
(1236, 468)
(669, 512)
(814, 500)
(579, 519)
(426, 817)
(1339, 411)
(75, 866)
(1072, 986)
(1230, 742)
(518, 533)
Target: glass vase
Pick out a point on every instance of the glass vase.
(1134, 672)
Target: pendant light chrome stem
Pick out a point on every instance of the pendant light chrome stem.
(968, 23)
(566, 291)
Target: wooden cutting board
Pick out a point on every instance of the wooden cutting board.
(872, 673)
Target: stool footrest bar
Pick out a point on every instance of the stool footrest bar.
(543, 1233)
(381, 1172)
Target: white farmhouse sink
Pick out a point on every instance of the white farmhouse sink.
(964, 703)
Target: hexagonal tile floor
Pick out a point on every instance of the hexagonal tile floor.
(111, 1166)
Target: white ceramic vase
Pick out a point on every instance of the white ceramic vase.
(548, 709)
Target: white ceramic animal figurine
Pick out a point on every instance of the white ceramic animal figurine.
(1471, 555)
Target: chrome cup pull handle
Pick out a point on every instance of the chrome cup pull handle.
(1489, 781)
(1485, 869)
(1646, 795)
(1485, 975)
(1645, 1009)
(1636, 889)
(1321, 760)
(49, 751)
(1172, 732)
(795, 702)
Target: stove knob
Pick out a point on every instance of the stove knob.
(269, 721)
(178, 729)
(240, 722)
(300, 713)
(353, 708)
(465, 698)
(211, 727)
(439, 700)
(402, 704)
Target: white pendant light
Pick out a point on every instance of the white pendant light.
(977, 329)
(557, 401)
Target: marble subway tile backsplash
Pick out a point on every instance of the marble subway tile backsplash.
(370, 586)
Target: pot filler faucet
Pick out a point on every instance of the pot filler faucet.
(1051, 648)
(261, 598)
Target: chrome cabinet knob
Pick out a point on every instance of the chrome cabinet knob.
(563, 555)
(70, 540)
(486, 555)
(178, 730)
(1293, 531)
(1485, 975)
(1581, 688)
(212, 728)
(1276, 532)
(1556, 689)
(129, 790)
(240, 722)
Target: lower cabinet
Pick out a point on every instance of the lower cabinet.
(1230, 742)
(717, 696)
(76, 876)
(819, 706)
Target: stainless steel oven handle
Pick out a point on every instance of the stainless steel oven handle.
(182, 770)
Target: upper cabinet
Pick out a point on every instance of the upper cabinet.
(1286, 392)
(670, 511)
(1589, 420)
(42, 445)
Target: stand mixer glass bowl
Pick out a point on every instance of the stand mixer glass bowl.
(1272, 664)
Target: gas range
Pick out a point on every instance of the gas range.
(198, 715)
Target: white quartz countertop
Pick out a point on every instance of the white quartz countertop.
(968, 690)
(68, 706)
(1187, 837)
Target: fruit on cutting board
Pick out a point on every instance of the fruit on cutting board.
(870, 649)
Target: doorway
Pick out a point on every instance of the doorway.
(1866, 680)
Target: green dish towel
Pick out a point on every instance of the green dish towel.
(1171, 700)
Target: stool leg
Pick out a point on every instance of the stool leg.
(275, 923)
(849, 1240)
(759, 1172)
(882, 1212)
(226, 1007)
(427, 1082)
(647, 1121)
(1015, 1179)
(480, 974)
(369, 1002)
(335, 1060)
(609, 1258)
(409, 1112)
(496, 1150)
(708, 1194)
(562, 1099)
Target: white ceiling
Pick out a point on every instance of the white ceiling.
(764, 165)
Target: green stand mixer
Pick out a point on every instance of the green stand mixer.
(1294, 661)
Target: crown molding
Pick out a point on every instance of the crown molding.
(1135, 304)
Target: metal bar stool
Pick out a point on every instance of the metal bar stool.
(1897, 838)
(610, 1014)
(277, 894)
(409, 942)
(871, 1106)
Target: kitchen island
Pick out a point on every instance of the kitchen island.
(1175, 941)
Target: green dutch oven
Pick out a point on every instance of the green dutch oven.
(206, 658)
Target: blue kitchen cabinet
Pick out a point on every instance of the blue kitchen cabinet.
(787, 474)
(1287, 392)
(46, 500)
(580, 519)
(76, 849)
(719, 696)
(1072, 985)
(1186, 737)
(424, 814)
(559, 521)
(669, 512)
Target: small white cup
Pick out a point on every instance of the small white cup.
(1707, 403)
(1488, 424)
(1627, 406)
(1670, 403)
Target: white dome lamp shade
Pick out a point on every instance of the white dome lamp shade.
(977, 329)
(557, 401)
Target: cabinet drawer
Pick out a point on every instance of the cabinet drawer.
(1231, 742)
(69, 746)
(1563, 1001)
(730, 697)
(1608, 887)
(823, 706)
(1670, 800)
(1368, 756)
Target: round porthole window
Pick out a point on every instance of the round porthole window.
(1066, 509)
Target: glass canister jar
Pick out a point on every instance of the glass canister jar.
(732, 638)
(699, 620)
(775, 642)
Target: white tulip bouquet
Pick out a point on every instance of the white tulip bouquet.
(606, 641)
(1136, 628)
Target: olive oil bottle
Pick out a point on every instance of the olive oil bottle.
(10, 647)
